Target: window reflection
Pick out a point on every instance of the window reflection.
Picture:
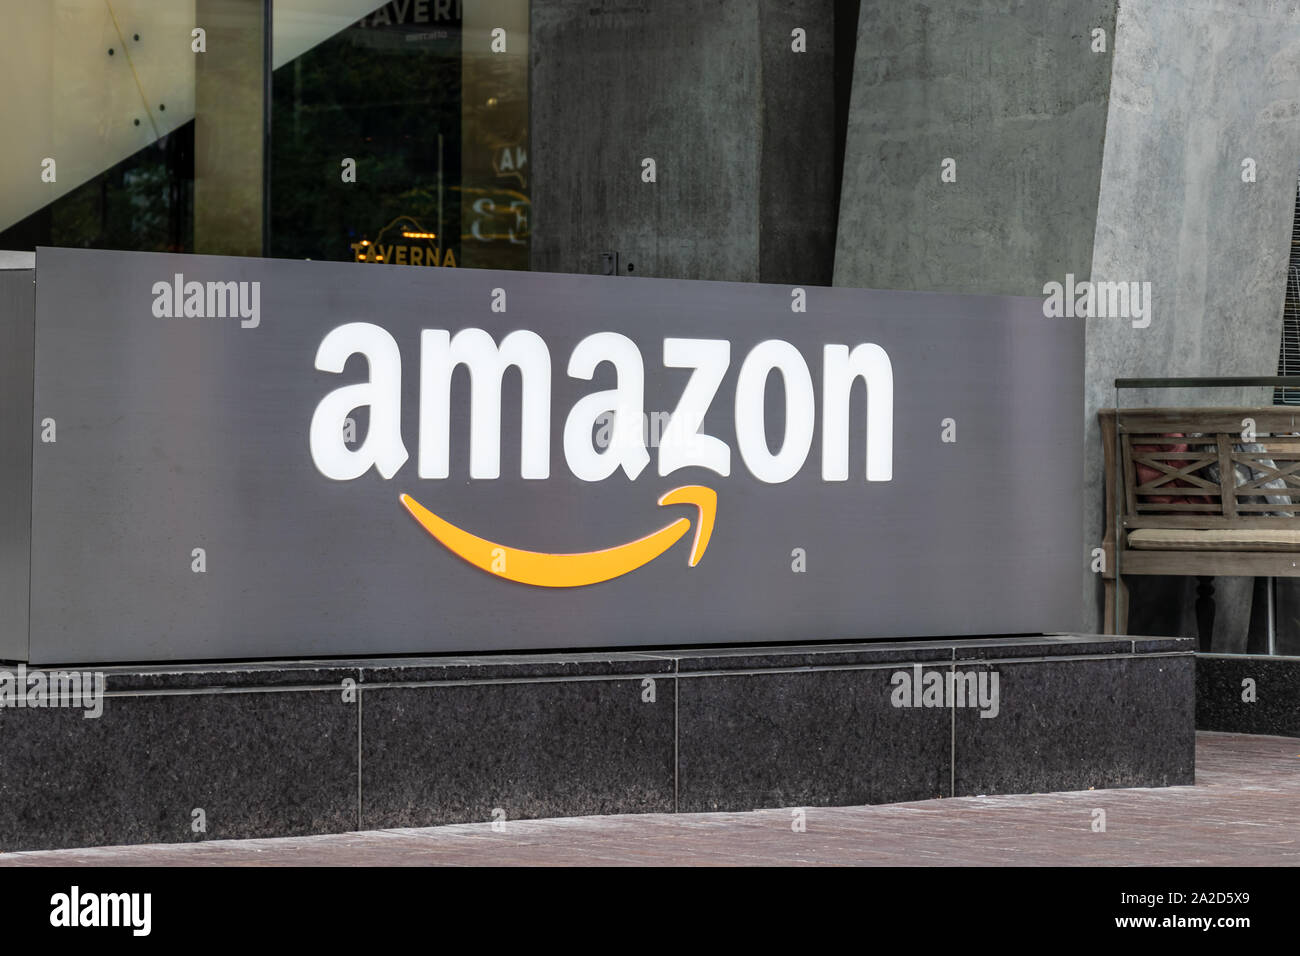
(427, 98)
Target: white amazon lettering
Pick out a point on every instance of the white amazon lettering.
(684, 443)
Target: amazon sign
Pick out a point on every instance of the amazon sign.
(243, 458)
(684, 443)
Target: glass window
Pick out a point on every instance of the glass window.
(317, 129)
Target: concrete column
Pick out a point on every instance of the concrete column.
(1009, 100)
(230, 90)
(797, 187)
(740, 128)
(1012, 92)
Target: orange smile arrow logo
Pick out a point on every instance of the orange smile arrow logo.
(586, 567)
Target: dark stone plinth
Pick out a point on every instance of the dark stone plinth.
(809, 738)
(255, 764)
(292, 748)
(1118, 721)
(477, 752)
(1222, 692)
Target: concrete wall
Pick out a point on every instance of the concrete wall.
(1069, 163)
(1195, 90)
(1012, 91)
(741, 129)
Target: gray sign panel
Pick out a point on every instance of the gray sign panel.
(205, 496)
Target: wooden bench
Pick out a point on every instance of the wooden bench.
(1185, 495)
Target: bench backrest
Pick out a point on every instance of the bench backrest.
(1154, 480)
